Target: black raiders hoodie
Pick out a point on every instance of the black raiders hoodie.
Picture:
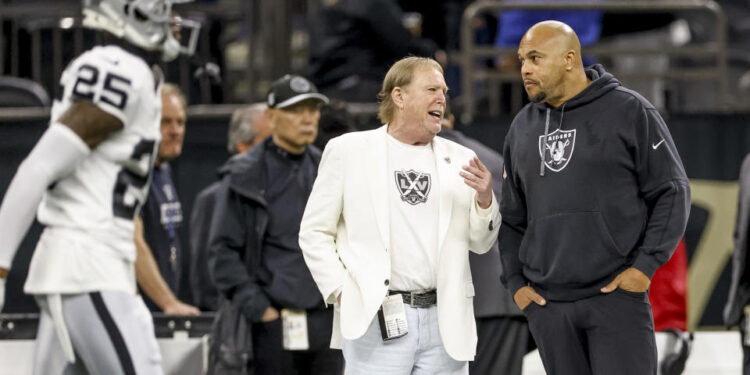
(590, 188)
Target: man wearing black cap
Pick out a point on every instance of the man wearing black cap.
(254, 253)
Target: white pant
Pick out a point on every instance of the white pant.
(420, 352)
(110, 332)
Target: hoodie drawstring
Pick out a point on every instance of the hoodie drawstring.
(562, 113)
(544, 144)
(546, 133)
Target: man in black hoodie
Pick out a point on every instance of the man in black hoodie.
(595, 199)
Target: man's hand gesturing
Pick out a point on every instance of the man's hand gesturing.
(479, 178)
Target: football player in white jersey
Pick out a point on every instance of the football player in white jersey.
(86, 179)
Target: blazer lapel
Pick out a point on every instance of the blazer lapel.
(376, 169)
(446, 176)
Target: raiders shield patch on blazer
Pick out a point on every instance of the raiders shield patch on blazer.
(413, 186)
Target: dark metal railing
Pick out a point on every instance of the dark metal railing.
(716, 48)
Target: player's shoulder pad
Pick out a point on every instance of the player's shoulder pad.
(112, 79)
(119, 61)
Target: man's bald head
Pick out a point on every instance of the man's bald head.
(561, 36)
(551, 65)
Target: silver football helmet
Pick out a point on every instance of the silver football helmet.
(148, 24)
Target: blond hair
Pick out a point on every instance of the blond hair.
(400, 74)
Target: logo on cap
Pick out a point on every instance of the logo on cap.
(299, 84)
(271, 99)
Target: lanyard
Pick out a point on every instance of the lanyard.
(171, 204)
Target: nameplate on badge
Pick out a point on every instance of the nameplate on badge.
(392, 318)
(294, 323)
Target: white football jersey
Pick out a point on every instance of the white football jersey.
(91, 210)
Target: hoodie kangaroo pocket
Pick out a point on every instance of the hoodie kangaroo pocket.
(569, 248)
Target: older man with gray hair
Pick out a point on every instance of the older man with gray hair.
(249, 126)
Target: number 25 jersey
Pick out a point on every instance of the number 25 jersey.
(90, 212)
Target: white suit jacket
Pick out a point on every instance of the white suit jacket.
(345, 235)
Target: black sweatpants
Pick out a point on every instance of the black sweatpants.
(270, 358)
(608, 334)
(502, 343)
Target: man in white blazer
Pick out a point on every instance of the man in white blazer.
(394, 212)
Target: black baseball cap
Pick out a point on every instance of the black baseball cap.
(292, 89)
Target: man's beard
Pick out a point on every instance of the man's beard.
(539, 97)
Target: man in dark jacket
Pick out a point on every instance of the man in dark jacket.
(247, 128)
(353, 43)
(735, 310)
(256, 259)
(593, 203)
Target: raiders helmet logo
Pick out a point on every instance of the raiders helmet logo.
(413, 186)
(557, 149)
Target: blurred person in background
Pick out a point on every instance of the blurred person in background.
(512, 24)
(668, 296)
(157, 230)
(737, 308)
(335, 120)
(503, 336)
(248, 127)
(354, 42)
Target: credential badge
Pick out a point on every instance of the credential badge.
(413, 186)
(557, 149)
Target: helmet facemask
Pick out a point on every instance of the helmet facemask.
(148, 24)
